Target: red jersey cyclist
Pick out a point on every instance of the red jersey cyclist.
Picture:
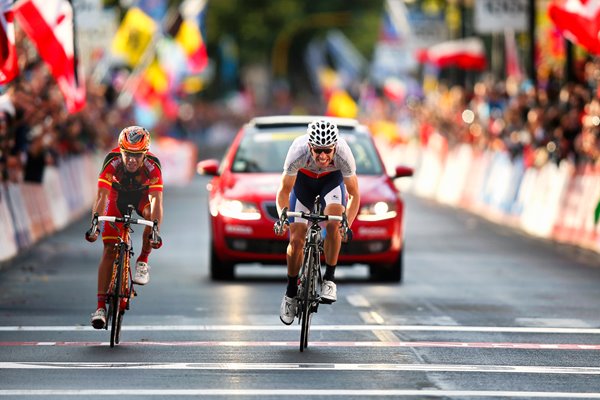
(130, 175)
(318, 163)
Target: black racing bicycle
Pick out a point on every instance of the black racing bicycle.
(120, 291)
(310, 278)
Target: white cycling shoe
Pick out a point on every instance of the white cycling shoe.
(287, 310)
(98, 319)
(142, 274)
(328, 292)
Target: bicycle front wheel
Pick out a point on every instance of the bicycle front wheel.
(307, 288)
(115, 303)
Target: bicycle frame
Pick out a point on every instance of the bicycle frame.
(310, 272)
(120, 290)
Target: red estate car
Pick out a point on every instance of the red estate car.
(242, 200)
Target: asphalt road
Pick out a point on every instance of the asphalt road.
(484, 312)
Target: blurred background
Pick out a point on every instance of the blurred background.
(493, 102)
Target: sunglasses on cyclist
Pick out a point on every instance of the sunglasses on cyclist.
(133, 155)
(319, 150)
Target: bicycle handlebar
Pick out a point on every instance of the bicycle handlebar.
(314, 217)
(136, 221)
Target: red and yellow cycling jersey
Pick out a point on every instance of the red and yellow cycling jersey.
(127, 188)
(115, 177)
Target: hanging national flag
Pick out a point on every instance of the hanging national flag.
(579, 21)
(186, 29)
(341, 104)
(134, 36)
(49, 25)
(9, 68)
(467, 53)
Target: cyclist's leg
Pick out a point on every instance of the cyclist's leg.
(110, 234)
(298, 227)
(334, 196)
(144, 211)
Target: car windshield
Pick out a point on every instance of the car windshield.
(265, 151)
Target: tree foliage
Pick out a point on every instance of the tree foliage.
(256, 25)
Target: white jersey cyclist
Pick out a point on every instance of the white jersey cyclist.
(319, 163)
(312, 179)
(299, 159)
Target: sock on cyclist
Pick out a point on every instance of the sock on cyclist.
(144, 256)
(292, 286)
(101, 300)
(329, 272)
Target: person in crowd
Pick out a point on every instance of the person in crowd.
(317, 163)
(130, 174)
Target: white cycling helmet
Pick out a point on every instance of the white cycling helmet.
(322, 133)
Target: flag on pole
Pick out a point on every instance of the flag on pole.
(513, 66)
(49, 25)
(134, 35)
(467, 53)
(9, 68)
(579, 21)
(186, 29)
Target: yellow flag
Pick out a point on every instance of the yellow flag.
(341, 104)
(156, 77)
(134, 35)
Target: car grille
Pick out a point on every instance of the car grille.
(262, 246)
(365, 247)
(257, 245)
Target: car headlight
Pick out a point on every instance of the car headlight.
(377, 211)
(239, 210)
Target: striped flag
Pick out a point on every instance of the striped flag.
(579, 21)
(9, 68)
(49, 25)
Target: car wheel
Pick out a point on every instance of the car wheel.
(388, 272)
(220, 270)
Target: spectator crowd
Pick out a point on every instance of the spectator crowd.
(555, 122)
(550, 123)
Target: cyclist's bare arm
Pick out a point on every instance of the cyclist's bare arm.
(156, 214)
(156, 206)
(283, 203)
(351, 183)
(98, 208)
(283, 192)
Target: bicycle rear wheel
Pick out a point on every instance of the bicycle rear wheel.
(307, 288)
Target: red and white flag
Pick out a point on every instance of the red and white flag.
(579, 21)
(9, 68)
(467, 53)
(49, 25)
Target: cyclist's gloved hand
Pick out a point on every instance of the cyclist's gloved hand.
(92, 234)
(282, 224)
(155, 239)
(157, 243)
(345, 230)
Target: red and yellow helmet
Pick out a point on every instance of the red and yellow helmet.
(134, 139)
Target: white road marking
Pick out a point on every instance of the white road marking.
(371, 317)
(369, 327)
(522, 369)
(363, 344)
(297, 392)
(386, 336)
(357, 300)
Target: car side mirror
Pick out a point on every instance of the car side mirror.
(208, 167)
(402, 171)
